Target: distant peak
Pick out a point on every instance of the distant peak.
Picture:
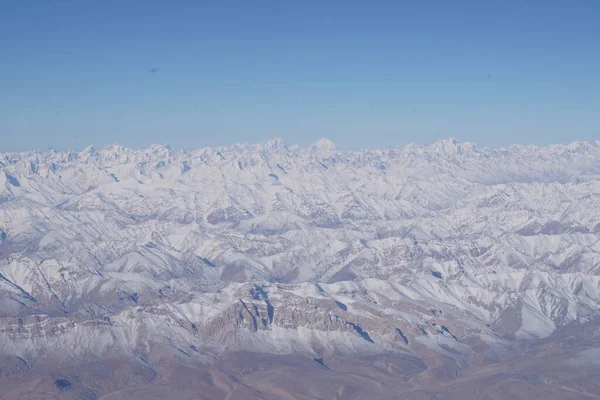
(275, 143)
(446, 142)
(576, 145)
(90, 150)
(324, 145)
(160, 147)
(114, 146)
(451, 146)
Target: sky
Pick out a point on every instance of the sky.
(361, 73)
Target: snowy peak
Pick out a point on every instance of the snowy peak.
(451, 146)
(88, 151)
(323, 147)
(274, 144)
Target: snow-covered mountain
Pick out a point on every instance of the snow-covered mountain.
(444, 249)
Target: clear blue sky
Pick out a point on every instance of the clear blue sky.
(362, 73)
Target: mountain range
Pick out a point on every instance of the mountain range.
(270, 271)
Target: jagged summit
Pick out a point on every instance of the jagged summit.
(275, 144)
(450, 146)
(89, 150)
(159, 147)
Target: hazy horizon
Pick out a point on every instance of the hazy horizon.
(289, 144)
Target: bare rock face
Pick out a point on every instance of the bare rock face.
(441, 271)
